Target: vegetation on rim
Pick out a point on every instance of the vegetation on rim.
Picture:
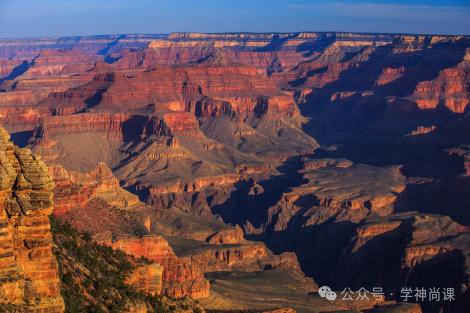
(93, 277)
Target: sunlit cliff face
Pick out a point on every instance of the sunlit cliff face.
(284, 161)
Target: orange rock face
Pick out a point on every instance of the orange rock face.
(74, 190)
(29, 274)
(390, 74)
(227, 237)
(184, 275)
(111, 124)
(19, 119)
(80, 202)
(181, 277)
(180, 89)
(449, 89)
(60, 63)
(197, 185)
(147, 278)
(182, 124)
(171, 275)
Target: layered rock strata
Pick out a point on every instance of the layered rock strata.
(29, 277)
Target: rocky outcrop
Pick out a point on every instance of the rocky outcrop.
(181, 276)
(180, 88)
(110, 124)
(411, 245)
(147, 278)
(94, 202)
(184, 274)
(133, 229)
(181, 124)
(279, 41)
(132, 109)
(19, 104)
(396, 69)
(197, 185)
(389, 74)
(60, 63)
(336, 189)
(18, 118)
(332, 195)
(98, 278)
(449, 89)
(231, 236)
(116, 126)
(29, 276)
(74, 190)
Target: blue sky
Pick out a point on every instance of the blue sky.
(30, 18)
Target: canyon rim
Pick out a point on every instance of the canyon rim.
(276, 172)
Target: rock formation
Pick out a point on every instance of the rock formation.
(97, 278)
(411, 245)
(29, 278)
(218, 136)
(94, 202)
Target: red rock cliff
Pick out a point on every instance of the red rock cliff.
(29, 276)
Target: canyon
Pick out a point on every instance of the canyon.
(228, 161)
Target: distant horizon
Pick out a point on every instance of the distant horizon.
(72, 18)
(235, 32)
